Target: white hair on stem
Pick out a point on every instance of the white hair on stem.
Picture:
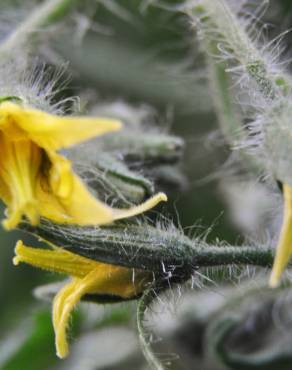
(231, 37)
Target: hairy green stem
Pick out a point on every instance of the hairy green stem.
(229, 118)
(143, 304)
(149, 248)
(47, 13)
(232, 49)
(218, 23)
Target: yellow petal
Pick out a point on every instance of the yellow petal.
(19, 166)
(104, 279)
(57, 260)
(67, 199)
(91, 277)
(63, 305)
(55, 192)
(61, 177)
(50, 131)
(284, 247)
(5, 194)
(141, 208)
(79, 207)
(117, 280)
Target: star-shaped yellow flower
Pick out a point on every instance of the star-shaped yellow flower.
(35, 180)
(88, 277)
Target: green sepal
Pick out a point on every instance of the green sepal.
(129, 245)
(110, 177)
(165, 252)
(145, 148)
(10, 98)
(168, 177)
(130, 184)
(117, 169)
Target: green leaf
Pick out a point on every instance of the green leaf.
(36, 349)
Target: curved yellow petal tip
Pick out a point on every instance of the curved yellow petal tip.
(143, 207)
(62, 350)
(163, 197)
(17, 259)
(12, 220)
(114, 125)
(274, 280)
(6, 225)
(28, 209)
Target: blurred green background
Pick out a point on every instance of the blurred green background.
(133, 51)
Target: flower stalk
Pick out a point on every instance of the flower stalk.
(148, 248)
(145, 343)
